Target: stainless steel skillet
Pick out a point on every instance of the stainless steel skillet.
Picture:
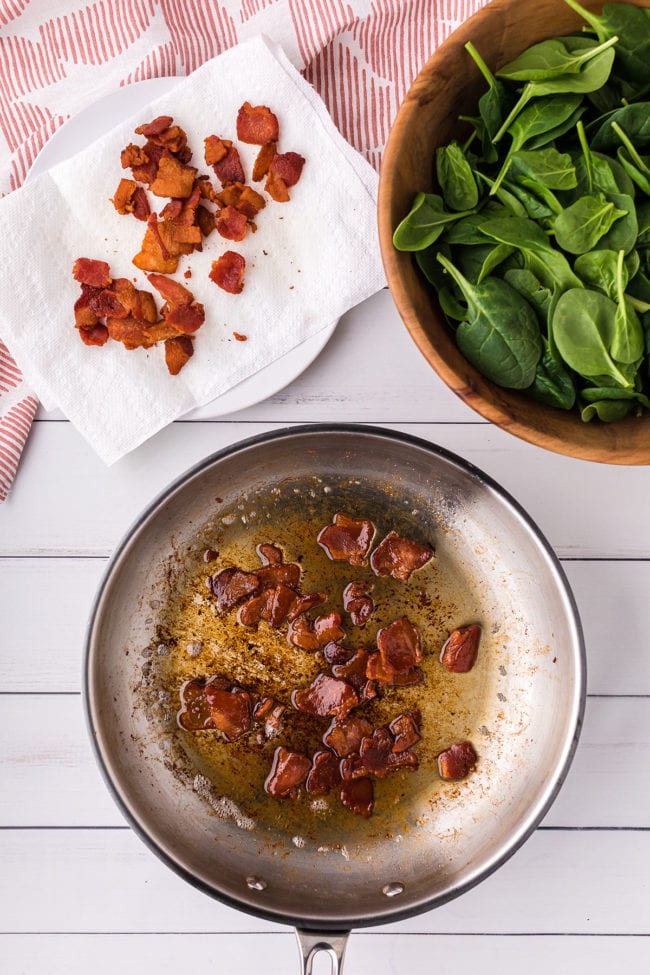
(525, 722)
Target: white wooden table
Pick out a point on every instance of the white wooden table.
(80, 893)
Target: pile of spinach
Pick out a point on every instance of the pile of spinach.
(538, 240)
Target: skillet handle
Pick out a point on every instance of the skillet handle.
(311, 942)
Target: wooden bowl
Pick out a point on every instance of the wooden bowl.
(449, 85)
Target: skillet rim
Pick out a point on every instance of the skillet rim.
(307, 923)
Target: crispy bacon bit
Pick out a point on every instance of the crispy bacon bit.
(180, 309)
(276, 188)
(288, 772)
(177, 353)
(400, 646)
(358, 602)
(140, 204)
(129, 331)
(287, 166)
(376, 757)
(347, 539)
(121, 200)
(228, 272)
(84, 316)
(239, 337)
(264, 159)
(95, 273)
(228, 166)
(312, 636)
(375, 670)
(93, 334)
(154, 254)
(399, 557)
(344, 735)
(460, 651)
(457, 761)
(242, 198)
(324, 774)
(255, 609)
(231, 586)
(405, 730)
(326, 696)
(270, 554)
(354, 671)
(304, 603)
(205, 221)
(231, 224)
(139, 304)
(173, 178)
(358, 796)
(257, 125)
(155, 127)
(106, 302)
(287, 574)
(133, 155)
(195, 713)
(162, 133)
(336, 653)
(230, 711)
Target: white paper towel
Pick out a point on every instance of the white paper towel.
(311, 259)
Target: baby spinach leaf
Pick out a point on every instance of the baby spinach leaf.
(555, 133)
(584, 324)
(492, 260)
(553, 384)
(634, 119)
(627, 342)
(540, 257)
(579, 228)
(534, 207)
(552, 58)
(623, 234)
(500, 336)
(594, 393)
(466, 230)
(599, 270)
(454, 309)
(532, 289)
(494, 105)
(552, 168)
(632, 27)
(607, 410)
(516, 231)
(455, 177)
(424, 224)
(635, 165)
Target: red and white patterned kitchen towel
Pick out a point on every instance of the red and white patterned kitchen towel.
(57, 57)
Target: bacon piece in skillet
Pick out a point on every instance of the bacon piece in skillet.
(288, 772)
(313, 635)
(269, 554)
(457, 761)
(376, 671)
(405, 729)
(324, 774)
(377, 758)
(228, 272)
(257, 125)
(269, 713)
(400, 646)
(357, 795)
(354, 670)
(304, 603)
(231, 586)
(347, 539)
(288, 574)
(344, 735)
(231, 711)
(195, 713)
(399, 557)
(358, 602)
(460, 651)
(325, 697)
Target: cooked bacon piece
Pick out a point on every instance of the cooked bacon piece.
(155, 254)
(288, 772)
(269, 554)
(256, 609)
(205, 221)
(206, 189)
(123, 196)
(172, 291)
(95, 273)
(323, 775)
(281, 602)
(139, 304)
(400, 646)
(460, 651)
(106, 302)
(195, 713)
(140, 205)
(264, 159)
(173, 178)
(276, 188)
(231, 586)
(228, 167)
(336, 653)
(131, 332)
(358, 796)
(93, 334)
(133, 155)
(347, 539)
(216, 149)
(457, 761)
(84, 316)
(304, 603)
(312, 635)
(399, 557)
(271, 713)
(405, 730)
(231, 224)
(344, 735)
(375, 670)
(161, 331)
(177, 353)
(326, 696)
(180, 309)
(376, 757)
(287, 166)
(287, 574)
(257, 125)
(231, 711)
(155, 127)
(358, 602)
(242, 198)
(354, 671)
(145, 171)
(228, 272)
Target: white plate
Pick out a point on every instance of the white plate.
(99, 118)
